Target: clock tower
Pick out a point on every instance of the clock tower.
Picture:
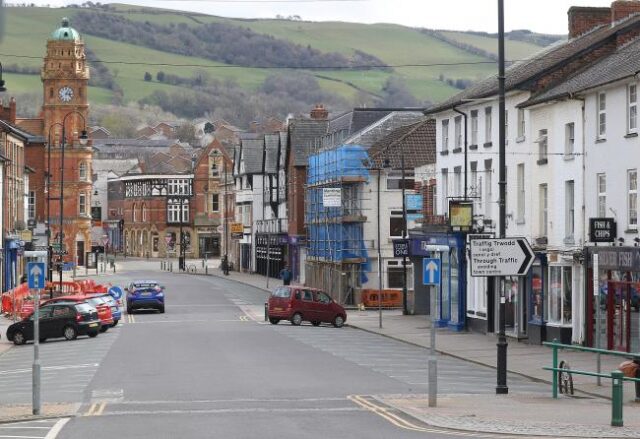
(65, 77)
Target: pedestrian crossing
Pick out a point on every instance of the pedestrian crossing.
(67, 368)
(404, 362)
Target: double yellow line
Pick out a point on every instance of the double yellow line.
(386, 414)
(96, 409)
(244, 318)
(131, 318)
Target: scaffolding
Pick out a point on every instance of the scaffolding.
(337, 259)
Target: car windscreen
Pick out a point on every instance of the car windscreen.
(84, 307)
(95, 301)
(281, 292)
(110, 300)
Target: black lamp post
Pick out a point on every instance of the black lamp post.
(2, 87)
(83, 141)
(226, 222)
(49, 199)
(405, 309)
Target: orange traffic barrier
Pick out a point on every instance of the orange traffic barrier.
(389, 298)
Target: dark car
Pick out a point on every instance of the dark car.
(68, 320)
(298, 304)
(145, 294)
(100, 304)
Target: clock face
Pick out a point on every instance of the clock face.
(65, 94)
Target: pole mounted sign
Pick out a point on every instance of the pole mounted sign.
(602, 229)
(36, 271)
(431, 269)
(400, 248)
(501, 257)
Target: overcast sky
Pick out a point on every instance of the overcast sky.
(545, 16)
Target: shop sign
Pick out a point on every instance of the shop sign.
(26, 235)
(460, 214)
(618, 258)
(400, 248)
(602, 229)
(237, 230)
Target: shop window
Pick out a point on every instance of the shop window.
(537, 292)
(395, 274)
(560, 294)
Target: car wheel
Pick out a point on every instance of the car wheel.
(42, 340)
(92, 334)
(115, 323)
(338, 321)
(315, 323)
(161, 309)
(296, 320)
(69, 333)
(18, 338)
(274, 321)
(104, 329)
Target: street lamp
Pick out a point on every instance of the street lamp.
(385, 166)
(49, 198)
(83, 139)
(405, 310)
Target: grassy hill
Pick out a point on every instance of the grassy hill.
(424, 61)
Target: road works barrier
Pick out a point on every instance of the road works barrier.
(390, 298)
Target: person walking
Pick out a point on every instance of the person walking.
(285, 275)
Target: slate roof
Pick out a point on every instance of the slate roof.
(624, 63)
(131, 148)
(22, 133)
(272, 142)
(302, 134)
(380, 129)
(252, 152)
(417, 141)
(117, 166)
(522, 75)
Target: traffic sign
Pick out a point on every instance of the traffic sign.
(35, 271)
(501, 257)
(115, 292)
(431, 270)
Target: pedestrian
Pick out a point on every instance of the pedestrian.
(631, 369)
(285, 275)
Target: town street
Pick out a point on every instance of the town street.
(211, 367)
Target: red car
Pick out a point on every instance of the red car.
(298, 304)
(103, 308)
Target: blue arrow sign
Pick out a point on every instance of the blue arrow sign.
(35, 275)
(431, 271)
(115, 292)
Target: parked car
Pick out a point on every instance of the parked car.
(67, 320)
(116, 311)
(145, 294)
(298, 304)
(101, 306)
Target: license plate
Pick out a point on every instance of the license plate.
(146, 294)
(277, 308)
(93, 325)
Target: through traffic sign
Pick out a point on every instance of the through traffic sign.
(501, 257)
(431, 268)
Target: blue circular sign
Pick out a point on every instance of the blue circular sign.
(115, 292)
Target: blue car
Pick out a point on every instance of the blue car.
(145, 294)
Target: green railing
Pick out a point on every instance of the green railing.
(617, 377)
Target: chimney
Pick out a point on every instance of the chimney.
(623, 8)
(584, 19)
(12, 111)
(319, 113)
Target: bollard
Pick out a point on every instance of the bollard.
(554, 384)
(616, 398)
(206, 269)
(266, 311)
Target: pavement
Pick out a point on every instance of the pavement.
(587, 414)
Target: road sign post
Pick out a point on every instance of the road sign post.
(500, 257)
(35, 278)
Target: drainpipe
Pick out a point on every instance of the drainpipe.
(465, 149)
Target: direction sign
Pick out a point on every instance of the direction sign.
(431, 269)
(115, 292)
(501, 257)
(35, 271)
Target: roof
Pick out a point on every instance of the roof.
(34, 126)
(272, 143)
(302, 134)
(383, 127)
(65, 32)
(523, 75)
(624, 63)
(252, 151)
(19, 132)
(417, 141)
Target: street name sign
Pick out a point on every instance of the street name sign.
(431, 270)
(35, 271)
(500, 257)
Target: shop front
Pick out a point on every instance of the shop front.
(209, 240)
(448, 302)
(617, 298)
(271, 253)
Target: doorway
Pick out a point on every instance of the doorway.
(619, 305)
(80, 252)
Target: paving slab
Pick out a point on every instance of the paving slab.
(22, 412)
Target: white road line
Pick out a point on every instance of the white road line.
(23, 437)
(63, 367)
(23, 427)
(53, 433)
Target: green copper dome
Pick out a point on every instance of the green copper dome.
(65, 32)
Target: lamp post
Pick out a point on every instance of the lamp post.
(49, 198)
(226, 222)
(385, 166)
(83, 141)
(405, 310)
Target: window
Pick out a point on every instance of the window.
(521, 123)
(395, 274)
(458, 131)
(307, 295)
(632, 198)
(487, 125)
(214, 168)
(215, 202)
(474, 127)
(457, 181)
(569, 140)
(602, 115)
(560, 295)
(173, 213)
(144, 212)
(82, 205)
(394, 180)
(521, 194)
(544, 212)
(445, 192)
(474, 179)
(632, 96)
(31, 207)
(134, 213)
(96, 213)
(445, 135)
(396, 224)
(488, 184)
(542, 142)
(602, 195)
(179, 186)
(82, 170)
(569, 210)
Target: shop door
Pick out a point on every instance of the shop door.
(80, 252)
(619, 316)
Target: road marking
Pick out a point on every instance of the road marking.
(244, 318)
(22, 437)
(53, 433)
(384, 413)
(131, 318)
(64, 367)
(92, 409)
(96, 409)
